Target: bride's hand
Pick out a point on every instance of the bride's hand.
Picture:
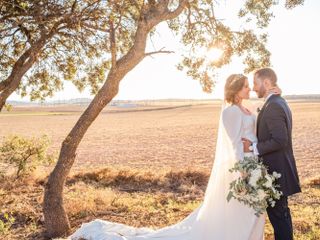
(275, 90)
(246, 144)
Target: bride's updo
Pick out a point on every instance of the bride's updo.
(234, 84)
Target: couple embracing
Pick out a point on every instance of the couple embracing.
(240, 134)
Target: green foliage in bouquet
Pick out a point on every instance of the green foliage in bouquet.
(254, 186)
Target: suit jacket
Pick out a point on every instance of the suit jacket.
(274, 133)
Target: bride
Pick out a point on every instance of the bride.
(215, 217)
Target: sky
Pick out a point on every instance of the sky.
(294, 37)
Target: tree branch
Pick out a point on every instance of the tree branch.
(90, 26)
(156, 52)
(4, 84)
(177, 11)
(113, 45)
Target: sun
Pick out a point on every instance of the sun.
(214, 54)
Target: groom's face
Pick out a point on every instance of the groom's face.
(259, 87)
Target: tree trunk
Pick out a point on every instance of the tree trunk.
(23, 64)
(56, 219)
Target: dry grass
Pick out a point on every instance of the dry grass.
(127, 167)
(163, 202)
(168, 198)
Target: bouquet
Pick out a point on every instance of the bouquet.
(254, 187)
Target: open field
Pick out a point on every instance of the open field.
(158, 137)
(158, 159)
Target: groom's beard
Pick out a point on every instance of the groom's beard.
(261, 93)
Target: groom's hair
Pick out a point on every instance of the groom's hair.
(266, 73)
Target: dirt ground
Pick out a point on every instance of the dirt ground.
(158, 137)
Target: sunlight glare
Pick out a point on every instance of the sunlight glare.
(214, 54)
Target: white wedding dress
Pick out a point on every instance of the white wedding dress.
(215, 218)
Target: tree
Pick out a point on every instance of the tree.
(122, 47)
(43, 42)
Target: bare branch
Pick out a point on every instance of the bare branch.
(9, 28)
(159, 51)
(177, 11)
(113, 45)
(74, 6)
(90, 26)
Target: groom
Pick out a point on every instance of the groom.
(274, 128)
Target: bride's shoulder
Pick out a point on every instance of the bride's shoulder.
(231, 113)
(232, 109)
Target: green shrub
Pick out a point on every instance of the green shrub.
(8, 107)
(25, 154)
(6, 223)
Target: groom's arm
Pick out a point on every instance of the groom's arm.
(275, 119)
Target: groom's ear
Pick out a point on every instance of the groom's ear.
(266, 82)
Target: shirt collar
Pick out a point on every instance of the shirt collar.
(266, 99)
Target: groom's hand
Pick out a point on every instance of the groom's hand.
(246, 144)
(275, 90)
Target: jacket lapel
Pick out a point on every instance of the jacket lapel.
(261, 113)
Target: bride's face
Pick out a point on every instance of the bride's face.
(244, 93)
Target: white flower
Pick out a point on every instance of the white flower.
(268, 183)
(276, 175)
(256, 173)
(255, 176)
(253, 181)
(273, 203)
(261, 195)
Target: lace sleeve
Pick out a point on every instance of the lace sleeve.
(232, 122)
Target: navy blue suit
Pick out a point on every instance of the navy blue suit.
(274, 132)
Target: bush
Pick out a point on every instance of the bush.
(25, 154)
(6, 223)
(8, 107)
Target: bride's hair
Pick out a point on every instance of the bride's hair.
(234, 84)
